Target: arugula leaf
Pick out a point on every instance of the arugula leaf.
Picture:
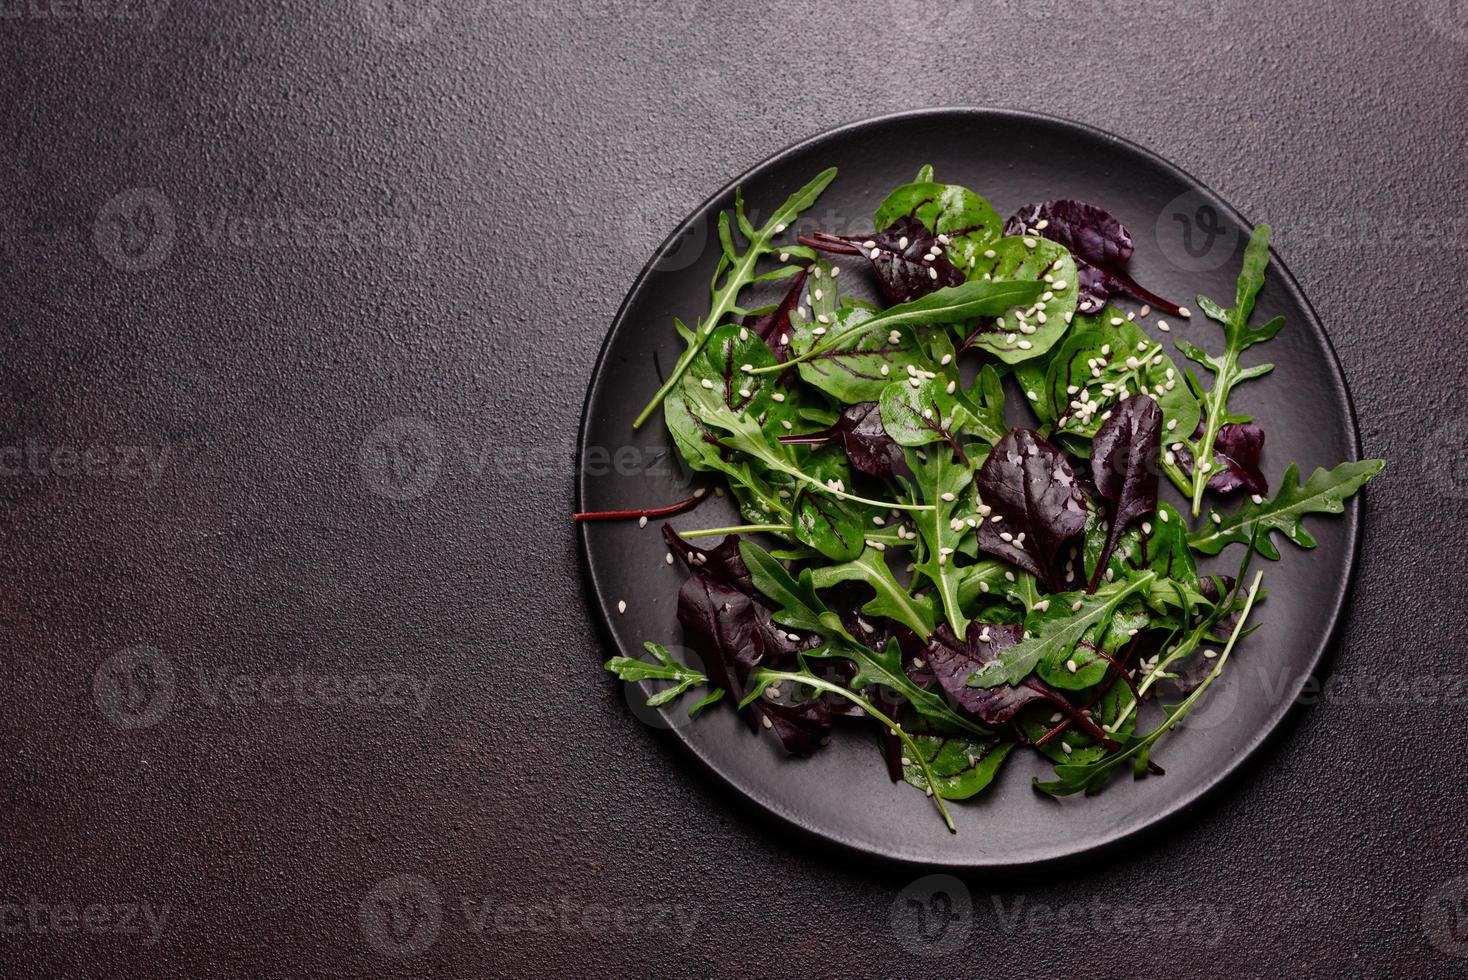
(1324, 493)
(796, 602)
(1030, 331)
(1055, 631)
(632, 670)
(1124, 468)
(1238, 337)
(736, 271)
(1092, 776)
(891, 600)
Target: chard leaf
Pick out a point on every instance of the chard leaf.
(1030, 330)
(967, 220)
(1100, 243)
(908, 258)
(1036, 504)
(828, 524)
(1124, 468)
(1324, 493)
(1236, 452)
(736, 272)
(775, 327)
(1055, 631)
(859, 431)
(891, 600)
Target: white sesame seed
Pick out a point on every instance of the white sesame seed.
(1009, 576)
(747, 368)
(642, 521)
(784, 256)
(778, 396)
(1256, 498)
(1162, 325)
(876, 253)
(766, 721)
(835, 271)
(779, 228)
(819, 332)
(1005, 536)
(1025, 345)
(1030, 243)
(1162, 516)
(943, 239)
(744, 393)
(1117, 321)
(932, 273)
(668, 558)
(868, 244)
(915, 382)
(885, 370)
(947, 496)
(1032, 396)
(1171, 424)
(708, 384)
(952, 387)
(902, 242)
(621, 605)
(1216, 519)
(1145, 309)
(1184, 312)
(989, 253)
(822, 318)
(1076, 606)
(1070, 665)
(1061, 284)
(786, 424)
(1209, 654)
(1205, 466)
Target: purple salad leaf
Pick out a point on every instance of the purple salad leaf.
(774, 327)
(859, 429)
(1036, 504)
(907, 257)
(953, 661)
(721, 562)
(1236, 452)
(801, 726)
(1124, 466)
(1099, 243)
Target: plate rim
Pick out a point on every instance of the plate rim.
(1254, 742)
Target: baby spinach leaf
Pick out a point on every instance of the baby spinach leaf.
(960, 764)
(1100, 243)
(941, 480)
(1108, 358)
(830, 525)
(863, 363)
(1124, 468)
(1324, 493)
(1036, 504)
(1236, 451)
(1029, 331)
(890, 599)
(916, 415)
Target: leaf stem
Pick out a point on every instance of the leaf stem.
(737, 529)
(618, 515)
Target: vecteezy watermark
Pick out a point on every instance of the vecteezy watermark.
(138, 687)
(1445, 917)
(406, 457)
(140, 229)
(1204, 923)
(401, 21)
(403, 915)
(1445, 459)
(133, 464)
(32, 916)
(1448, 18)
(1193, 234)
(401, 458)
(933, 916)
(143, 14)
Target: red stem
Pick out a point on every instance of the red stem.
(622, 515)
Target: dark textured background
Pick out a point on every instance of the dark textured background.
(363, 450)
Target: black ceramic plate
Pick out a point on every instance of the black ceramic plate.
(1188, 241)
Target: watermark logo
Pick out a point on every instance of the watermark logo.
(401, 458)
(1448, 18)
(43, 918)
(646, 222)
(135, 688)
(1445, 917)
(146, 13)
(401, 21)
(136, 230)
(401, 916)
(1194, 235)
(933, 916)
(35, 458)
(1445, 459)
